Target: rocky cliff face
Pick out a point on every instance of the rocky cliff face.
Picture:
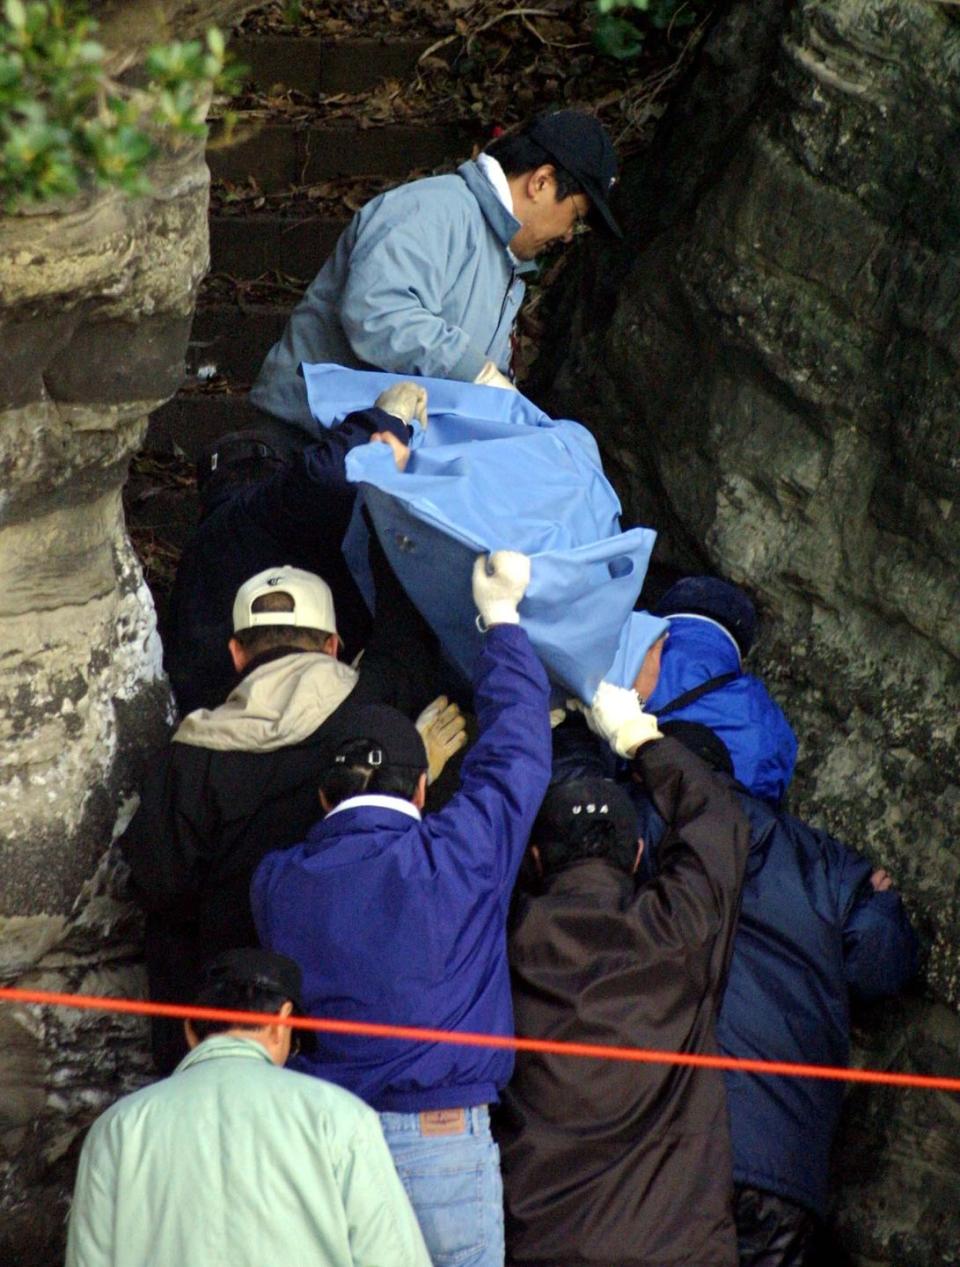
(96, 301)
(774, 357)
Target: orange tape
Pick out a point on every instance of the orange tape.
(412, 1033)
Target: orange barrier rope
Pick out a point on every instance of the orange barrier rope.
(412, 1033)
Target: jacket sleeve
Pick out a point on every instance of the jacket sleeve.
(504, 777)
(90, 1233)
(692, 903)
(164, 843)
(391, 303)
(381, 1224)
(879, 944)
(310, 497)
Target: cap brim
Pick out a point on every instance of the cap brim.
(599, 205)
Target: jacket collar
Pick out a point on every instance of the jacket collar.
(589, 875)
(501, 221)
(716, 624)
(224, 1046)
(695, 651)
(362, 816)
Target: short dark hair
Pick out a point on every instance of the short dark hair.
(236, 996)
(517, 154)
(352, 774)
(260, 638)
(596, 840)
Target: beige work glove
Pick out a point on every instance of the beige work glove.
(443, 729)
(616, 715)
(500, 580)
(405, 401)
(490, 376)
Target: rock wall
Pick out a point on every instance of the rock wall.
(772, 363)
(96, 301)
(96, 307)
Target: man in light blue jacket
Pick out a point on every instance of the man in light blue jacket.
(235, 1160)
(427, 279)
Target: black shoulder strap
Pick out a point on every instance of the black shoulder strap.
(697, 692)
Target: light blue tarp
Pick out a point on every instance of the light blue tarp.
(493, 472)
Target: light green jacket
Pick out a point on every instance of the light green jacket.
(234, 1162)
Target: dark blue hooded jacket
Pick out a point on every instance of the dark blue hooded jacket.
(812, 932)
(397, 920)
(758, 737)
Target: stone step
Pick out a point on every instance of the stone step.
(246, 246)
(313, 65)
(192, 419)
(232, 340)
(280, 154)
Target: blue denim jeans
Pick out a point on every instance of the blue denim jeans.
(453, 1182)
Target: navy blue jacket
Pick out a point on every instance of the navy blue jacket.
(397, 920)
(298, 516)
(812, 932)
(758, 737)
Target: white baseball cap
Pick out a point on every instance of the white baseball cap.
(312, 600)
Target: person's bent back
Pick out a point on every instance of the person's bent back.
(605, 1162)
(241, 779)
(400, 919)
(818, 926)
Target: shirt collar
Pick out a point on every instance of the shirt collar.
(218, 1046)
(498, 179)
(374, 800)
(497, 213)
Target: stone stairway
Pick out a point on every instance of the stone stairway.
(266, 249)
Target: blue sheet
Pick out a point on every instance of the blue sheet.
(493, 472)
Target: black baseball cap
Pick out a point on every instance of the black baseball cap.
(225, 980)
(230, 449)
(394, 739)
(581, 146)
(568, 808)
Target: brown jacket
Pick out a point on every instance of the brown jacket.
(607, 1162)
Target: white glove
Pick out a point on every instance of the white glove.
(500, 580)
(443, 729)
(490, 376)
(405, 401)
(616, 715)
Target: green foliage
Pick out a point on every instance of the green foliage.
(620, 26)
(65, 125)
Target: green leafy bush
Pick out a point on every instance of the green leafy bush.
(620, 26)
(65, 125)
